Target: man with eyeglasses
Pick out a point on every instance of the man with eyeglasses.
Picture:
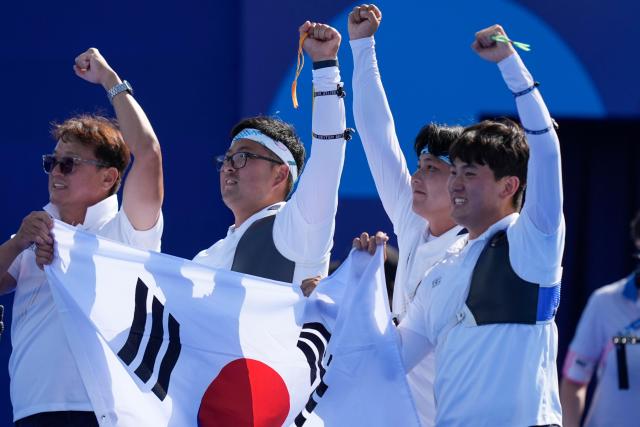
(285, 240)
(84, 173)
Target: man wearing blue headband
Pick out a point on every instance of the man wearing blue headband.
(418, 205)
(272, 237)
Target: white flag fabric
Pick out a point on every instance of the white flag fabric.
(361, 380)
(162, 341)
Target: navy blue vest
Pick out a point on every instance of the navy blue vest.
(499, 295)
(256, 253)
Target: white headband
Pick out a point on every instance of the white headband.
(278, 148)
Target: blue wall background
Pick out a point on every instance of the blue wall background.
(199, 66)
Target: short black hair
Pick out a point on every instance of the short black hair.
(279, 131)
(500, 144)
(437, 138)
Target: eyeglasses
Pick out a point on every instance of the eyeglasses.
(67, 163)
(239, 160)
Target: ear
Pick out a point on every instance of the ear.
(109, 178)
(282, 175)
(510, 185)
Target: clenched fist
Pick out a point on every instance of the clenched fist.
(322, 42)
(489, 49)
(92, 67)
(364, 21)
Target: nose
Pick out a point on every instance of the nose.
(416, 178)
(455, 183)
(226, 166)
(56, 170)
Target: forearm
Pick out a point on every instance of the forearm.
(9, 251)
(144, 190)
(376, 129)
(544, 178)
(572, 398)
(136, 129)
(317, 192)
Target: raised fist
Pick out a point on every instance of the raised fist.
(92, 67)
(322, 42)
(489, 49)
(364, 21)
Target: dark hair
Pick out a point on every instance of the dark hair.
(635, 227)
(279, 131)
(437, 138)
(100, 133)
(500, 144)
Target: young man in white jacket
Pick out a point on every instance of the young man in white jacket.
(418, 204)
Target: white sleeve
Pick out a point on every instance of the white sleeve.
(121, 230)
(414, 333)
(588, 343)
(537, 237)
(14, 267)
(304, 228)
(543, 201)
(376, 129)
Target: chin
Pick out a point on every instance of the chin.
(458, 217)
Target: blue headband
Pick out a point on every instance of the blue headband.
(445, 158)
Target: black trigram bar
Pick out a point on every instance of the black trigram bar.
(314, 365)
(311, 403)
(320, 345)
(129, 351)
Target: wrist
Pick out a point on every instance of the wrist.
(110, 80)
(324, 58)
(317, 65)
(359, 36)
(15, 245)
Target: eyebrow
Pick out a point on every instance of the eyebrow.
(469, 166)
(66, 154)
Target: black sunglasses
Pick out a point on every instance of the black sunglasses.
(239, 160)
(67, 163)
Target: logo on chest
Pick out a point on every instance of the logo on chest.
(435, 282)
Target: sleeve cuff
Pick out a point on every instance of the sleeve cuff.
(515, 73)
(360, 44)
(326, 77)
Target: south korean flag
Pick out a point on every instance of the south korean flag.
(161, 341)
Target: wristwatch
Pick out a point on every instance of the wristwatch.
(122, 87)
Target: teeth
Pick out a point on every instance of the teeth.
(230, 181)
(458, 200)
(59, 185)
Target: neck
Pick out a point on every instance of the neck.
(240, 216)
(73, 216)
(476, 230)
(438, 227)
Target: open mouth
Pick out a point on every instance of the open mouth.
(457, 201)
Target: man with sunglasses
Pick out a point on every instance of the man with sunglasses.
(286, 241)
(84, 173)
